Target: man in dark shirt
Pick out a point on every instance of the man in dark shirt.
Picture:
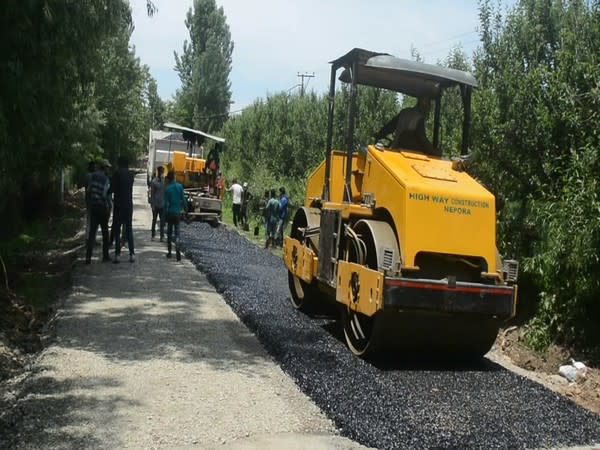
(410, 130)
(122, 187)
(98, 201)
(246, 197)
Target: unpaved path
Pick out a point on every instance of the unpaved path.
(148, 355)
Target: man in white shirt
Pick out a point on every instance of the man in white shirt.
(236, 191)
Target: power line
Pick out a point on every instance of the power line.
(448, 39)
(440, 51)
(443, 47)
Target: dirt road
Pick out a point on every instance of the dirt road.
(148, 355)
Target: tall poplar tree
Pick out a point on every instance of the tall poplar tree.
(204, 67)
(156, 106)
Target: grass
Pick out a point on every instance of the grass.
(37, 270)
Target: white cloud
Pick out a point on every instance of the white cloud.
(274, 40)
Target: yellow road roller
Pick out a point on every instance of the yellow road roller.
(397, 233)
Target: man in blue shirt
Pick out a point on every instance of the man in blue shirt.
(174, 202)
(283, 214)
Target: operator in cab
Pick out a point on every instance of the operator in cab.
(410, 129)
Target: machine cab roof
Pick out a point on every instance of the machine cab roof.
(413, 78)
(408, 77)
(381, 70)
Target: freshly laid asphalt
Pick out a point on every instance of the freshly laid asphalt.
(383, 403)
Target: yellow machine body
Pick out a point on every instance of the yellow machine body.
(434, 208)
(401, 239)
(198, 187)
(420, 210)
(188, 170)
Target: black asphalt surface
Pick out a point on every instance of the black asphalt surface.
(384, 403)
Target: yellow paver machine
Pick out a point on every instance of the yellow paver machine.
(400, 237)
(198, 173)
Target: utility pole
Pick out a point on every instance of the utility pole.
(303, 76)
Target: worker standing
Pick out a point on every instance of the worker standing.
(271, 218)
(246, 197)
(236, 191)
(175, 202)
(157, 201)
(92, 167)
(122, 187)
(99, 206)
(283, 214)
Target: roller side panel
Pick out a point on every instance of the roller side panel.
(300, 260)
(359, 288)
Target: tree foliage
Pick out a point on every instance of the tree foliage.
(157, 107)
(280, 140)
(119, 87)
(452, 106)
(204, 67)
(67, 77)
(536, 121)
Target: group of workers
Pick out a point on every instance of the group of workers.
(168, 202)
(106, 194)
(275, 214)
(274, 211)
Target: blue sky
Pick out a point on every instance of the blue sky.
(276, 40)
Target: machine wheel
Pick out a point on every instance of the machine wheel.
(452, 336)
(302, 292)
(361, 331)
(473, 338)
(358, 331)
(305, 296)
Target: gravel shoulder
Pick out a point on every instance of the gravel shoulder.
(148, 355)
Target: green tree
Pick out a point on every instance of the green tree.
(70, 90)
(282, 139)
(536, 146)
(157, 108)
(452, 111)
(119, 88)
(204, 67)
(48, 114)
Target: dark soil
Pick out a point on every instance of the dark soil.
(585, 392)
(34, 278)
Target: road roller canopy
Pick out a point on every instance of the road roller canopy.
(202, 134)
(382, 70)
